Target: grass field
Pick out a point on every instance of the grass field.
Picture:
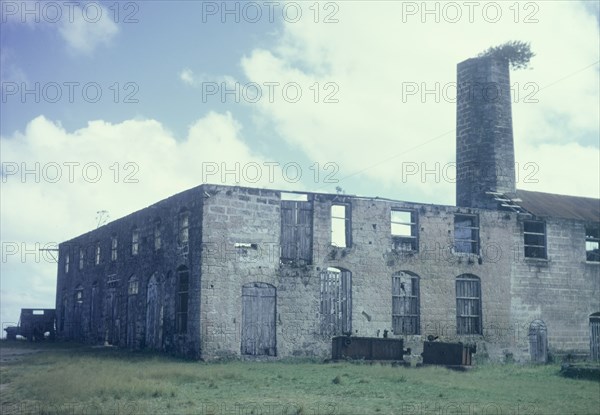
(72, 380)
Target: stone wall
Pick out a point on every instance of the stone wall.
(562, 290)
(252, 216)
(107, 312)
(235, 238)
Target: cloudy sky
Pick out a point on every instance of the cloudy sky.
(111, 106)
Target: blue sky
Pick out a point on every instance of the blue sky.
(366, 130)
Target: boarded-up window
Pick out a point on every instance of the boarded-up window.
(336, 302)
(534, 237)
(183, 285)
(258, 319)
(595, 336)
(538, 341)
(296, 230)
(405, 303)
(468, 305)
(466, 234)
(404, 230)
(592, 243)
(135, 241)
(341, 231)
(114, 243)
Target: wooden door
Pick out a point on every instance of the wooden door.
(595, 336)
(538, 342)
(152, 314)
(258, 319)
(111, 313)
(336, 302)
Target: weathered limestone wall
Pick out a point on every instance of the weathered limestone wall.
(562, 291)
(252, 216)
(106, 311)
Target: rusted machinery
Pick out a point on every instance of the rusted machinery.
(34, 324)
(447, 354)
(367, 348)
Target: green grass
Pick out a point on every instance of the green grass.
(77, 379)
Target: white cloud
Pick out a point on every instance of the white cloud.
(88, 28)
(372, 52)
(187, 76)
(41, 208)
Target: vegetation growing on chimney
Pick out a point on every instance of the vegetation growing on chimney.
(517, 53)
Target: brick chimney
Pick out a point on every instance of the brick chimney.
(485, 155)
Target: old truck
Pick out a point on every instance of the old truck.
(34, 324)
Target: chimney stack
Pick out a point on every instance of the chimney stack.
(485, 155)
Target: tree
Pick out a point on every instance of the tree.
(517, 53)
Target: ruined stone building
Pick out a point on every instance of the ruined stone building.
(224, 271)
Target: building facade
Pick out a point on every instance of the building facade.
(223, 271)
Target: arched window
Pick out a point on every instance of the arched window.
(133, 285)
(183, 286)
(468, 304)
(405, 303)
(336, 301)
(67, 262)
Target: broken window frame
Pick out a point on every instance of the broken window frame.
(472, 242)
(535, 250)
(296, 242)
(468, 291)
(183, 287)
(98, 252)
(184, 229)
(335, 306)
(592, 243)
(406, 323)
(114, 243)
(135, 241)
(404, 242)
(157, 235)
(346, 220)
(133, 285)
